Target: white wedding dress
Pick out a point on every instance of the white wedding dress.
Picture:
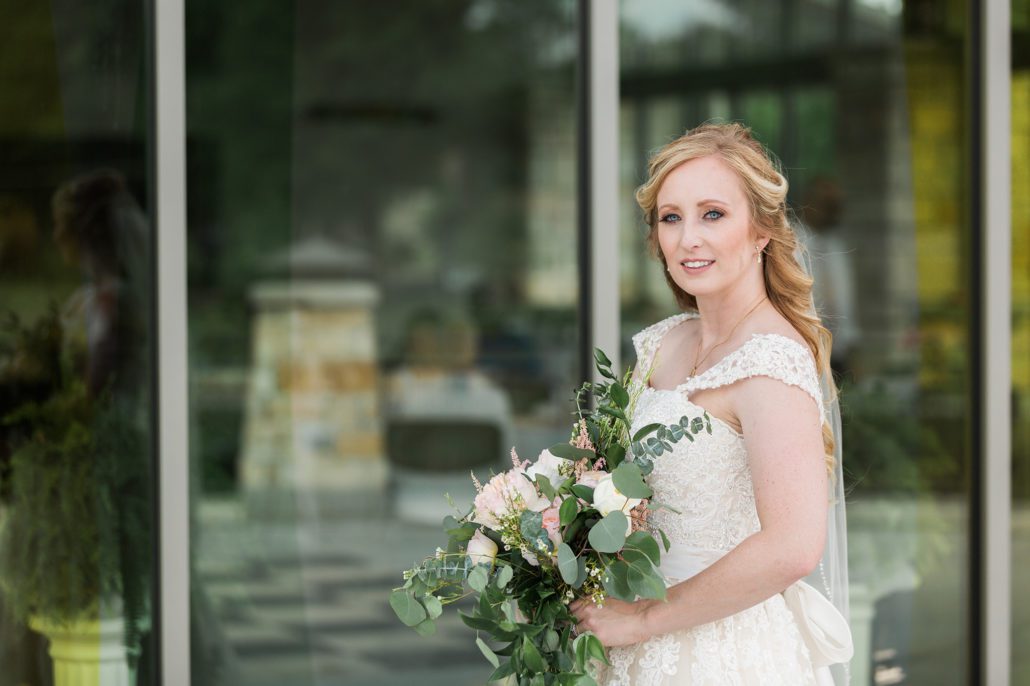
(709, 482)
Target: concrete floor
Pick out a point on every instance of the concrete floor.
(308, 604)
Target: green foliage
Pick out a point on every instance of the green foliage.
(77, 529)
(522, 608)
(888, 449)
(609, 534)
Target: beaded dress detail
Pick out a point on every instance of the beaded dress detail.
(709, 482)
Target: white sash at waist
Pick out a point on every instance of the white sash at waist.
(823, 628)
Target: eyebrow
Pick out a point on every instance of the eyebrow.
(706, 201)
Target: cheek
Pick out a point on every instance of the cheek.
(666, 242)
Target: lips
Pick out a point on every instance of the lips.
(696, 266)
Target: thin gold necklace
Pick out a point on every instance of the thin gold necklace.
(697, 362)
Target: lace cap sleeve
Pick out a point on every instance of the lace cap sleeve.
(647, 340)
(772, 355)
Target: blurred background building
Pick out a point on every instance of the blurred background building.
(389, 282)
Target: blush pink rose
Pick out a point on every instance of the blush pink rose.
(551, 524)
(507, 493)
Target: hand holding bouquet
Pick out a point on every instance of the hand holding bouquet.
(572, 524)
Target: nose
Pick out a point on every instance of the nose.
(690, 236)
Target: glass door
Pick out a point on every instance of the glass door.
(77, 344)
(383, 298)
(866, 105)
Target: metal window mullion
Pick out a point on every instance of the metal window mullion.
(170, 214)
(996, 191)
(603, 116)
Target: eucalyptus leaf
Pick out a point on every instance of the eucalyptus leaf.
(409, 610)
(601, 358)
(508, 610)
(644, 430)
(567, 564)
(630, 482)
(434, 608)
(644, 543)
(427, 627)
(581, 572)
(478, 578)
(608, 535)
(504, 575)
(615, 581)
(644, 579)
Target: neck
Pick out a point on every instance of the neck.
(721, 311)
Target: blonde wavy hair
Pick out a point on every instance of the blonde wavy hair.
(786, 282)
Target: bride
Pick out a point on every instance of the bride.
(759, 501)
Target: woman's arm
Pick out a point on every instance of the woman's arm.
(783, 436)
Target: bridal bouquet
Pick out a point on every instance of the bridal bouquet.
(539, 535)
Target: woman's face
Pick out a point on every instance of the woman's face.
(704, 228)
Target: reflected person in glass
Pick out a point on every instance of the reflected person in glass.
(753, 499)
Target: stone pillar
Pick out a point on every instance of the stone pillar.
(313, 440)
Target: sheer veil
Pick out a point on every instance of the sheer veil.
(831, 576)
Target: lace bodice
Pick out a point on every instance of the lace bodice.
(709, 480)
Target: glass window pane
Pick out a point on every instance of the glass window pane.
(865, 104)
(76, 395)
(382, 298)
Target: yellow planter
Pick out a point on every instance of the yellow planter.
(86, 652)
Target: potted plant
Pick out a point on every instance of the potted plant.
(74, 541)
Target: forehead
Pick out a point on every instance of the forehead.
(700, 179)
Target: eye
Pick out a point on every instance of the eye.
(715, 212)
(669, 218)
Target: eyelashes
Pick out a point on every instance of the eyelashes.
(672, 217)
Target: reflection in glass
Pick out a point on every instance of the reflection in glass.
(864, 103)
(382, 298)
(76, 422)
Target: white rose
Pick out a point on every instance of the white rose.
(480, 549)
(549, 465)
(607, 499)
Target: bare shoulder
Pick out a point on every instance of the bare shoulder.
(775, 323)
